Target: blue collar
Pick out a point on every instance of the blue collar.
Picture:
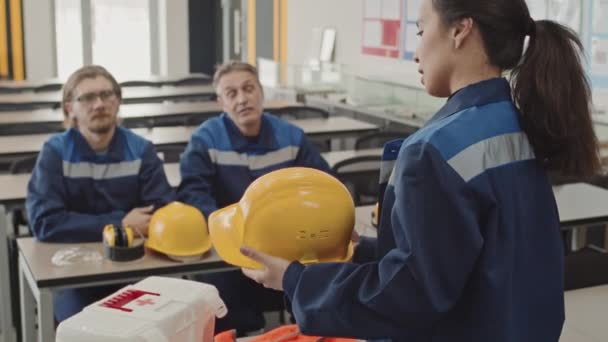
(478, 94)
(114, 153)
(266, 138)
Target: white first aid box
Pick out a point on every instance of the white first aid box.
(154, 309)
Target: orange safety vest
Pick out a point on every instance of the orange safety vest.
(286, 333)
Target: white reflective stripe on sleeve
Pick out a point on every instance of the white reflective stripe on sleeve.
(386, 169)
(491, 153)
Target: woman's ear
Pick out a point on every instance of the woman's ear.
(461, 30)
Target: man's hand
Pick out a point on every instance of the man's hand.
(272, 274)
(138, 219)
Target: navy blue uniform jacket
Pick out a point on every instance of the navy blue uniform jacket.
(220, 163)
(468, 248)
(74, 192)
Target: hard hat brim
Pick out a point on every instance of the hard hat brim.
(186, 254)
(226, 232)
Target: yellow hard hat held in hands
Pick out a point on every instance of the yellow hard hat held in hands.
(295, 213)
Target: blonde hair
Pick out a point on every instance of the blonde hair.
(87, 71)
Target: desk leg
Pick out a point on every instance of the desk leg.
(28, 305)
(46, 321)
(6, 317)
(579, 238)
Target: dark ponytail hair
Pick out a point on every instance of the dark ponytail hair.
(550, 87)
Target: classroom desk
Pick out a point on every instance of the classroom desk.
(129, 95)
(39, 278)
(8, 333)
(334, 127)
(131, 114)
(581, 204)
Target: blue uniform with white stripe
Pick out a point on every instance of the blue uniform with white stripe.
(220, 163)
(216, 168)
(74, 192)
(469, 245)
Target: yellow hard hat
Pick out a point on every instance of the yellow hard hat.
(179, 231)
(294, 213)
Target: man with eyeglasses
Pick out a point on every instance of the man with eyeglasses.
(93, 174)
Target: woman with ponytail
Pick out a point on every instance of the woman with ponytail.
(469, 245)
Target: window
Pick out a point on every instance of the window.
(117, 36)
(121, 37)
(69, 40)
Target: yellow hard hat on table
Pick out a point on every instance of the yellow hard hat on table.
(179, 231)
(295, 213)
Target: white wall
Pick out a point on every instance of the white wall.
(346, 17)
(39, 37)
(174, 39)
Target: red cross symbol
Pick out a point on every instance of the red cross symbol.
(142, 302)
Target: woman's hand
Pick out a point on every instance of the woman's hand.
(272, 274)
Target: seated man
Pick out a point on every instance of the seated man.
(224, 156)
(93, 174)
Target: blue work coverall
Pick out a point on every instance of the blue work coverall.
(469, 246)
(74, 192)
(216, 168)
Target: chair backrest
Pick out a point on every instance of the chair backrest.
(170, 153)
(299, 112)
(192, 80)
(24, 164)
(12, 90)
(139, 83)
(585, 268)
(377, 139)
(361, 175)
(48, 87)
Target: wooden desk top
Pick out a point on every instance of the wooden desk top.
(579, 203)
(38, 256)
(13, 187)
(128, 93)
(128, 111)
(32, 143)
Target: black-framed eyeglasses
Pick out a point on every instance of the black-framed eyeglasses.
(90, 98)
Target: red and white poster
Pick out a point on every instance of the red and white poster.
(382, 27)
